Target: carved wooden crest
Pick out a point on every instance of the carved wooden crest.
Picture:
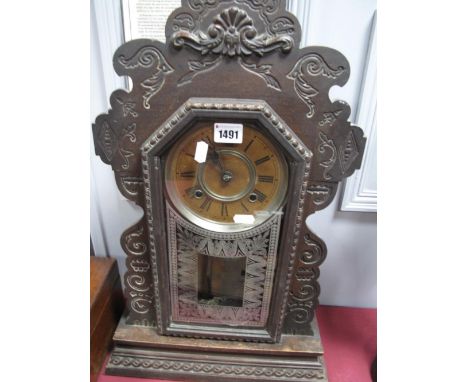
(217, 52)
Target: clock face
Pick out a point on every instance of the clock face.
(238, 185)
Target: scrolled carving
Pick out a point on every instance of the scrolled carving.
(315, 65)
(325, 145)
(129, 132)
(329, 118)
(138, 278)
(311, 65)
(140, 303)
(265, 6)
(198, 66)
(128, 108)
(315, 253)
(149, 57)
(145, 57)
(183, 21)
(126, 154)
(232, 33)
(303, 295)
(301, 312)
(264, 71)
(135, 241)
(138, 283)
(283, 25)
(200, 5)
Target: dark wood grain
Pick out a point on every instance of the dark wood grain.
(106, 308)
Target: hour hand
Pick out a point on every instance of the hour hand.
(214, 156)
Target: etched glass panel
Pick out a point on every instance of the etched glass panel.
(221, 278)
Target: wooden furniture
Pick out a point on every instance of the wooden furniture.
(222, 271)
(106, 308)
(349, 337)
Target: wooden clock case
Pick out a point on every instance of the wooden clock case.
(232, 60)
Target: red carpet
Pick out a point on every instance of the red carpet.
(349, 337)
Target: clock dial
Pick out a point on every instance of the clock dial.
(249, 178)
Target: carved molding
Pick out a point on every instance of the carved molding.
(137, 279)
(130, 186)
(197, 67)
(329, 118)
(305, 289)
(298, 226)
(327, 147)
(115, 133)
(263, 71)
(233, 33)
(128, 108)
(148, 57)
(321, 194)
(222, 104)
(309, 66)
(167, 365)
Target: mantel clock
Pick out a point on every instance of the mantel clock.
(228, 141)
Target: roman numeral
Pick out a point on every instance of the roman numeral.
(224, 210)
(248, 146)
(260, 195)
(206, 204)
(262, 160)
(187, 174)
(265, 179)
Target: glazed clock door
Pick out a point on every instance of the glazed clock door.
(220, 276)
(225, 201)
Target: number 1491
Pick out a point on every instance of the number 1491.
(228, 132)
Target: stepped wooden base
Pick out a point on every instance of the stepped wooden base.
(140, 352)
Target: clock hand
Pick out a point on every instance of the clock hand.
(214, 156)
(217, 160)
(226, 175)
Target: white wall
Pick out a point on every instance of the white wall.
(348, 275)
(111, 213)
